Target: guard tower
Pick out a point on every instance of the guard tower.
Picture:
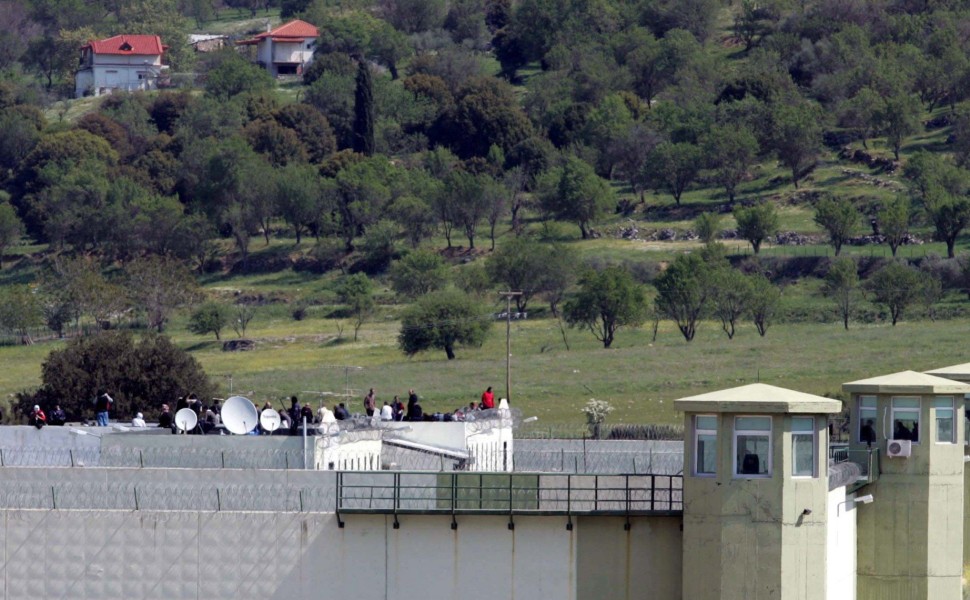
(755, 490)
(911, 540)
(961, 373)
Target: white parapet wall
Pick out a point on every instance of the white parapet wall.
(482, 444)
(840, 556)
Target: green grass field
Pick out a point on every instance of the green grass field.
(640, 378)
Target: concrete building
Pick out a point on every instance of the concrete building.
(756, 488)
(762, 508)
(205, 42)
(286, 50)
(122, 62)
(911, 541)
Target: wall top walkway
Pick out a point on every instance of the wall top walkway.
(509, 494)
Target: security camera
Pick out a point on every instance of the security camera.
(867, 499)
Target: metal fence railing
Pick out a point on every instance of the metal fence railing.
(508, 493)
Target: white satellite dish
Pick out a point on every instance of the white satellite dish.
(239, 415)
(186, 419)
(270, 420)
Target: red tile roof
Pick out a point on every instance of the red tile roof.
(290, 31)
(128, 45)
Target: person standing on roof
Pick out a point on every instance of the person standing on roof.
(370, 402)
(488, 399)
(102, 409)
(294, 412)
(412, 402)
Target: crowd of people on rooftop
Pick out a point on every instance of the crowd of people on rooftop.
(209, 416)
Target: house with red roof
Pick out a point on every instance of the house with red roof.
(287, 49)
(122, 62)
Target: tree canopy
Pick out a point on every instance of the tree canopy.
(607, 300)
(140, 375)
(443, 320)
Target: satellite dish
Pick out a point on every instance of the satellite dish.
(186, 419)
(239, 415)
(270, 420)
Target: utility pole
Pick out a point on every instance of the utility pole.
(347, 369)
(508, 341)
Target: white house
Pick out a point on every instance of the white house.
(122, 62)
(287, 49)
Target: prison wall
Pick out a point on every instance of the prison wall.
(125, 533)
(261, 555)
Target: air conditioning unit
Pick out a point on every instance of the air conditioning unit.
(899, 448)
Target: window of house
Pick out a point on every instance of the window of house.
(803, 447)
(752, 446)
(945, 420)
(705, 445)
(905, 419)
(867, 419)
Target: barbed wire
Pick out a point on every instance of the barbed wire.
(481, 457)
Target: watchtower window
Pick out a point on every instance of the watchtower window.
(803, 447)
(945, 418)
(752, 446)
(866, 428)
(905, 419)
(705, 445)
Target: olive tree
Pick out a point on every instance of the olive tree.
(756, 223)
(443, 320)
(683, 293)
(211, 317)
(357, 292)
(897, 287)
(839, 218)
(842, 286)
(765, 297)
(608, 299)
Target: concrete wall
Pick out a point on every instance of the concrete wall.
(644, 562)
(840, 551)
(170, 555)
(911, 537)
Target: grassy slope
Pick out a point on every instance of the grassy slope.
(639, 377)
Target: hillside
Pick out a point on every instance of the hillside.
(480, 145)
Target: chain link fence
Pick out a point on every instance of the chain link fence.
(159, 458)
(608, 431)
(497, 458)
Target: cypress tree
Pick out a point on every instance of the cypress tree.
(364, 111)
